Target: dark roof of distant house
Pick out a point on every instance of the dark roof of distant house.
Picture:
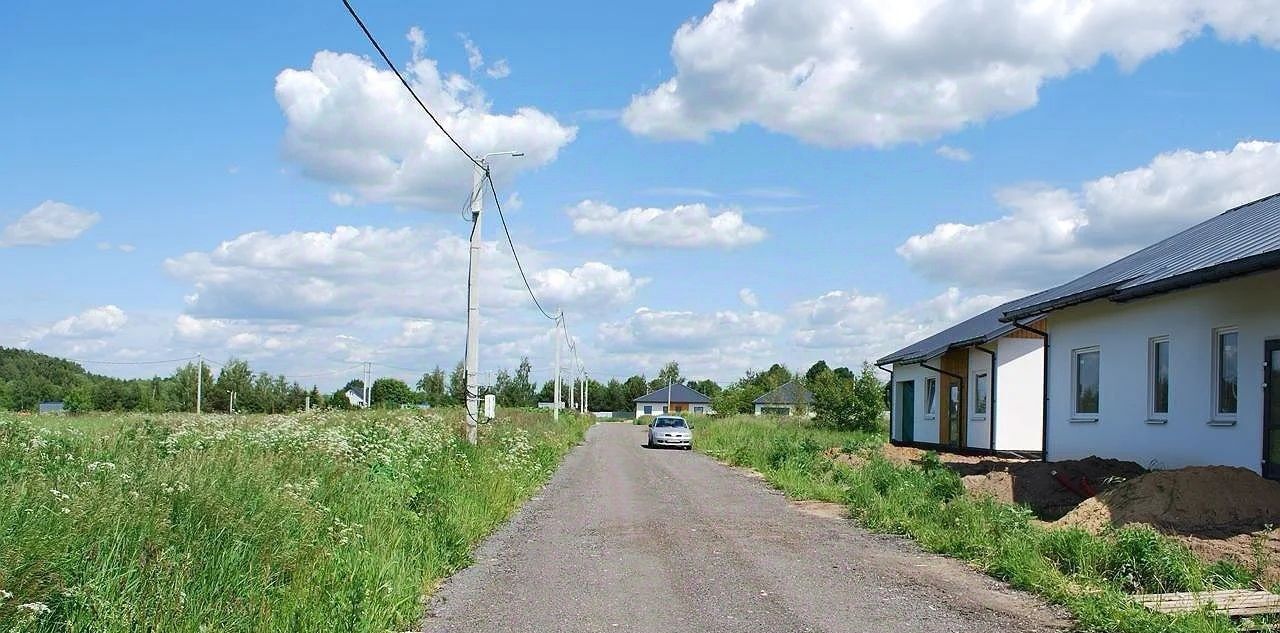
(1237, 242)
(789, 393)
(972, 331)
(679, 393)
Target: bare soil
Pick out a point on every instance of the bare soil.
(1016, 480)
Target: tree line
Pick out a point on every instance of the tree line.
(842, 397)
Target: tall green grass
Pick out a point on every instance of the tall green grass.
(1090, 575)
(320, 522)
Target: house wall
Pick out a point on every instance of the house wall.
(978, 433)
(676, 408)
(790, 410)
(1019, 393)
(1123, 333)
(926, 427)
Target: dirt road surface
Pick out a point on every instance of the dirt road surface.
(625, 538)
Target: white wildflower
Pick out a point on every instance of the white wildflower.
(34, 607)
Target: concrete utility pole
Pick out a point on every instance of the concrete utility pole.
(199, 381)
(555, 405)
(472, 361)
(668, 397)
(586, 389)
(367, 391)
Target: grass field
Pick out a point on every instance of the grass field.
(316, 522)
(1089, 575)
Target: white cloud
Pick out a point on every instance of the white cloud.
(94, 322)
(592, 284)
(342, 199)
(852, 327)
(123, 248)
(352, 125)
(682, 226)
(405, 272)
(499, 69)
(868, 72)
(958, 154)
(475, 59)
(48, 223)
(648, 329)
(1048, 235)
(748, 298)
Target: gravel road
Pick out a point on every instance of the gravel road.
(625, 538)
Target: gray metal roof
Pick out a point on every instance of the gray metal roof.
(976, 330)
(679, 393)
(790, 393)
(1240, 241)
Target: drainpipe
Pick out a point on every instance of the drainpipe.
(1044, 432)
(992, 397)
(893, 387)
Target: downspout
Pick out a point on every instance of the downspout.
(1044, 430)
(992, 397)
(893, 393)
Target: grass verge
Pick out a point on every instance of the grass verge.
(1090, 575)
(318, 522)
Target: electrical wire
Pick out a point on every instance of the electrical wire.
(520, 267)
(134, 362)
(390, 64)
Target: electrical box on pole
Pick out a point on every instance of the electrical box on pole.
(490, 406)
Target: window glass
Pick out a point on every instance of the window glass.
(1086, 379)
(980, 384)
(931, 396)
(1160, 376)
(648, 409)
(1227, 372)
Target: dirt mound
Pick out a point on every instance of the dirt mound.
(1034, 484)
(1203, 501)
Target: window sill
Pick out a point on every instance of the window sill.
(1158, 421)
(1222, 422)
(979, 418)
(1078, 420)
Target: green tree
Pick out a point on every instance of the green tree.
(814, 371)
(390, 393)
(517, 390)
(458, 384)
(846, 400)
(669, 374)
(433, 388)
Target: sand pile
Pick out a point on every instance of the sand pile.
(1033, 483)
(1208, 501)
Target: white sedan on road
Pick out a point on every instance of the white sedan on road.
(670, 430)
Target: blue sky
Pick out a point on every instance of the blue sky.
(174, 176)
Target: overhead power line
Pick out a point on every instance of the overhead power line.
(392, 66)
(130, 362)
(520, 267)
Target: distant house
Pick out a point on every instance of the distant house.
(789, 399)
(1168, 357)
(355, 399)
(676, 398)
(51, 407)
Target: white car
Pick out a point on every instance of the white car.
(670, 430)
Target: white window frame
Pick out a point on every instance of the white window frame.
(1079, 416)
(1153, 416)
(973, 406)
(1219, 417)
(931, 403)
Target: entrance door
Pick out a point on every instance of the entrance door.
(955, 414)
(1271, 411)
(907, 407)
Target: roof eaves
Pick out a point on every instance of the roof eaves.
(1062, 302)
(1226, 270)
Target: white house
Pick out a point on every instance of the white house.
(790, 398)
(975, 387)
(1169, 357)
(676, 398)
